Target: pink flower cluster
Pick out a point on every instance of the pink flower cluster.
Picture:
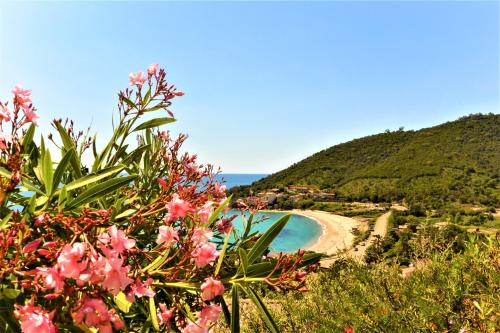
(94, 313)
(22, 101)
(34, 319)
(209, 314)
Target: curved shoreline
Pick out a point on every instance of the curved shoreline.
(337, 234)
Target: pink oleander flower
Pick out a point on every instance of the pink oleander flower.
(22, 96)
(31, 246)
(206, 211)
(34, 319)
(201, 236)
(178, 208)
(52, 279)
(31, 116)
(5, 114)
(204, 254)
(211, 288)
(112, 272)
(210, 313)
(220, 189)
(70, 260)
(94, 312)
(195, 328)
(152, 69)
(139, 289)
(167, 235)
(164, 314)
(5, 139)
(178, 93)
(137, 79)
(117, 239)
(224, 225)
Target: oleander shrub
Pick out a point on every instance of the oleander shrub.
(133, 241)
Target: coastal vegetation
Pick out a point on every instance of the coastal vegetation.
(451, 289)
(439, 167)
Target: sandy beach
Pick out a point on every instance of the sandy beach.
(337, 233)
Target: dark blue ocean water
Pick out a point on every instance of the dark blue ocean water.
(299, 233)
(238, 179)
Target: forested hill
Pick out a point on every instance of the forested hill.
(457, 161)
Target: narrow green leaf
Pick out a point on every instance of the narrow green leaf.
(61, 168)
(261, 269)
(122, 302)
(97, 191)
(153, 123)
(145, 100)
(244, 260)
(223, 252)
(225, 310)
(28, 137)
(152, 313)
(266, 239)
(63, 197)
(218, 211)
(5, 220)
(47, 172)
(248, 226)
(264, 313)
(154, 108)
(126, 213)
(90, 179)
(235, 310)
(128, 101)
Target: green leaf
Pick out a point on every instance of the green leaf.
(10, 293)
(261, 269)
(122, 302)
(126, 213)
(28, 137)
(128, 101)
(248, 226)
(5, 220)
(225, 310)
(264, 313)
(63, 197)
(154, 108)
(97, 191)
(152, 312)
(90, 179)
(145, 100)
(61, 168)
(266, 239)
(217, 211)
(243, 259)
(47, 172)
(223, 252)
(153, 123)
(235, 310)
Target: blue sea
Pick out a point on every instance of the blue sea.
(299, 233)
(238, 179)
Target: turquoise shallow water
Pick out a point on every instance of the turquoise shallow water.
(299, 232)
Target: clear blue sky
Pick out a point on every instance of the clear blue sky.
(266, 84)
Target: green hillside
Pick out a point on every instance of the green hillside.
(457, 161)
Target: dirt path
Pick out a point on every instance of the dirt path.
(380, 229)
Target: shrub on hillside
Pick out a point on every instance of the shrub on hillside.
(451, 292)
